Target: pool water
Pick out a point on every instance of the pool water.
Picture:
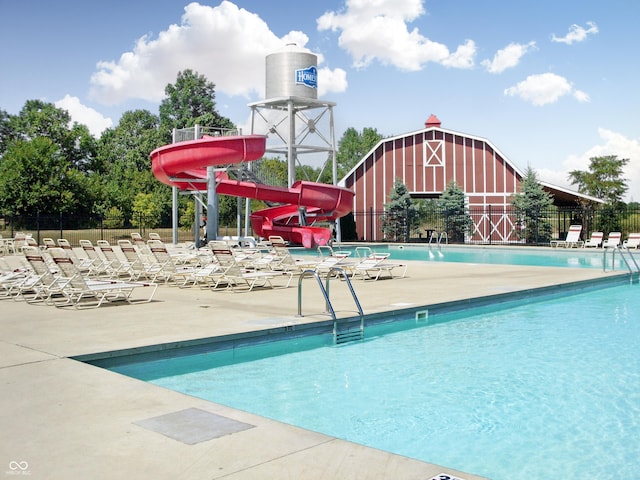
(537, 257)
(550, 389)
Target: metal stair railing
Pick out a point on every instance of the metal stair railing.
(630, 262)
(339, 336)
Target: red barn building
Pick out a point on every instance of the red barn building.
(426, 161)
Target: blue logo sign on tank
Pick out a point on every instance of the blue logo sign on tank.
(307, 77)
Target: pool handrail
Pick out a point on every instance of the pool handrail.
(339, 337)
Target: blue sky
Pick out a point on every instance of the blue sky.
(549, 83)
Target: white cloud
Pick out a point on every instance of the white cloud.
(336, 79)
(545, 88)
(226, 44)
(576, 34)
(377, 30)
(612, 143)
(508, 57)
(84, 115)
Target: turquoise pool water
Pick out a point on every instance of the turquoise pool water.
(542, 257)
(550, 389)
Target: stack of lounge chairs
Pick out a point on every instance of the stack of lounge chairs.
(53, 278)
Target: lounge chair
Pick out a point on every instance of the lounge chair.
(377, 264)
(180, 274)
(116, 267)
(140, 266)
(81, 292)
(284, 261)
(235, 275)
(572, 239)
(97, 264)
(48, 242)
(595, 240)
(83, 263)
(633, 241)
(43, 283)
(613, 240)
(335, 259)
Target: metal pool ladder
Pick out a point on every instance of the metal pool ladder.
(627, 257)
(346, 334)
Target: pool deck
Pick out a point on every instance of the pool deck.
(61, 418)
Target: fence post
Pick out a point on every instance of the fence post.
(490, 225)
(60, 223)
(38, 226)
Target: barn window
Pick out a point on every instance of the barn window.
(433, 152)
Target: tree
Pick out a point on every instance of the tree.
(400, 214)
(42, 119)
(124, 167)
(36, 177)
(146, 212)
(531, 203)
(604, 180)
(353, 146)
(6, 131)
(457, 221)
(188, 102)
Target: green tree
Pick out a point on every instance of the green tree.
(124, 164)
(604, 180)
(353, 146)
(400, 214)
(42, 119)
(531, 204)
(6, 131)
(36, 177)
(146, 212)
(188, 102)
(457, 220)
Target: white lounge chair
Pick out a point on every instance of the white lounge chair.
(284, 261)
(572, 239)
(234, 275)
(633, 241)
(594, 241)
(170, 270)
(375, 265)
(81, 292)
(140, 265)
(613, 240)
(43, 283)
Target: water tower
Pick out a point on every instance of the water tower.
(297, 123)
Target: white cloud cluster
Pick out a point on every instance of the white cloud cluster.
(508, 57)
(377, 30)
(612, 143)
(545, 88)
(226, 44)
(84, 115)
(576, 34)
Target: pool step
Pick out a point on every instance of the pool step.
(348, 336)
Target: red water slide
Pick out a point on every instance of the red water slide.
(184, 165)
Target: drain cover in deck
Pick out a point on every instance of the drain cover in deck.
(193, 425)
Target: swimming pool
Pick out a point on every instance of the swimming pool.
(538, 257)
(546, 389)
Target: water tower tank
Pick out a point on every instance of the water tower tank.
(292, 72)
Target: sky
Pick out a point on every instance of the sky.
(549, 83)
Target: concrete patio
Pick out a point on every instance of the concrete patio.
(63, 419)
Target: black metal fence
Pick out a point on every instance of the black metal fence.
(494, 225)
(75, 228)
(489, 225)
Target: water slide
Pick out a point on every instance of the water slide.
(184, 165)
